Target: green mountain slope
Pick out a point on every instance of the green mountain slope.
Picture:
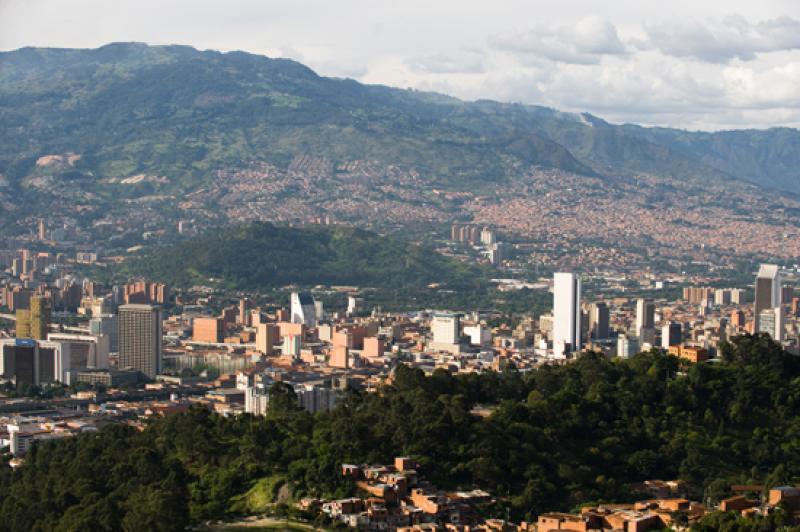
(262, 255)
(181, 114)
(177, 112)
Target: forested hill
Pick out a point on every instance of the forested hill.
(263, 255)
(173, 111)
(557, 438)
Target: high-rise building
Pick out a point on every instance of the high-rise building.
(645, 318)
(292, 344)
(266, 337)
(787, 293)
(106, 325)
(771, 321)
(566, 313)
(768, 291)
(737, 319)
(355, 305)
(34, 322)
(23, 323)
(316, 398)
(497, 252)
(85, 350)
(488, 236)
(244, 306)
(34, 362)
(18, 361)
(40, 316)
(627, 346)
(446, 329)
(722, 296)
(140, 338)
(671, 334)
(303, 309)
(208, 330)
(144, 292)
(599, 319)
(697, 294)
(737, 296)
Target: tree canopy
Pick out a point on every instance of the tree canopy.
(557, 437)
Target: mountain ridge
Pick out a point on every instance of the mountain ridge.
(139, 97)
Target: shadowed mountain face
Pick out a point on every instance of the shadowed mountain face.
(173, 111)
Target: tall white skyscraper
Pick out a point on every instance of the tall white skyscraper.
(645, 319)
(566, 313)
(645, 314)
(671, 334)
(768, 291)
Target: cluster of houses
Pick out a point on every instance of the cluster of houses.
(395, 498)
(670, 512)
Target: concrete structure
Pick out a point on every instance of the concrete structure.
(244, 315)
(355, 305)
(768, 291)
(267, 334)
(256, 401)
(599, 319)
(140, 338)
(671, 334)
(107, 325)
(373, 347)
(86, 350)
(722, 296)
(488, 236)
(34, 362)
(34, 321)
(772, 322)
(566, 313)
(291, 346)
(479, 335)
(445, 328)
(627, 346)
(691, 353)
(340, 357)
(108, 377)
(645, 320)
(303, 309)
(209, 330)
(316, 398)
(446, 333)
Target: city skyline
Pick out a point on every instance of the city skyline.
(238, 290)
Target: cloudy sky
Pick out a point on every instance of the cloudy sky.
(699, 64)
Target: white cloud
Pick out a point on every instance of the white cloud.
(584, 42)
(721, 40)
(467, 62)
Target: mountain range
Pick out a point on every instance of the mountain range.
(173, 111)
